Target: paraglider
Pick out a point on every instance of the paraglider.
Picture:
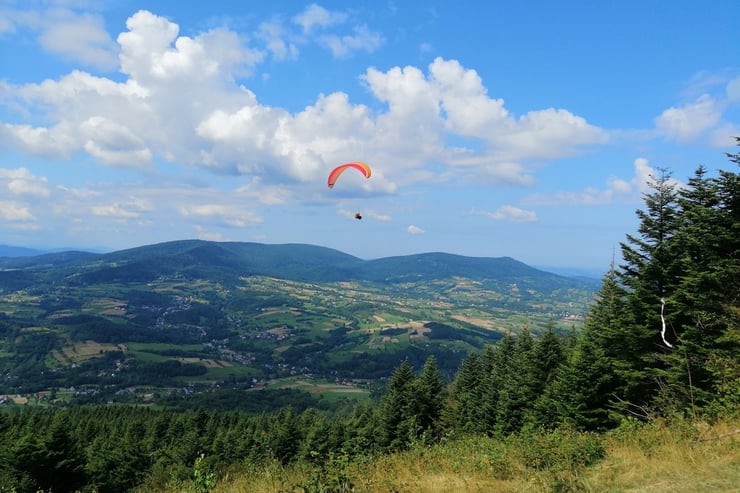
(358, 165)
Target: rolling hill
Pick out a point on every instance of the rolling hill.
(296, 262)
(188, 317)
(14, 251)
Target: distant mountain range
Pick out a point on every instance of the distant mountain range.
(228, 261)
(14, 251)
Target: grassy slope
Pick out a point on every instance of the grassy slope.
(654, 458)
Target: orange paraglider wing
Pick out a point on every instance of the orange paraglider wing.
(358, 165)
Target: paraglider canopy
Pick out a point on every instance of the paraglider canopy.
(336, 172)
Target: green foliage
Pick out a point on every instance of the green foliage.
(664, 327)
(411, 409)
(702, 310)
(204, 478)
(397, 417)
(428, 390)
(461, 413)
(329, 476)
(559, 450)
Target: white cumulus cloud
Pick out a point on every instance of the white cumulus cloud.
(14, 211)
(508, 213)
(315, 16)
(226, 215)
(361, 39)
(687, 122)
(21, 181)
(81, 37)
(114, 210)
(77, 36)
(615, 189)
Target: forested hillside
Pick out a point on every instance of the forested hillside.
(660, 343)
(195, 323)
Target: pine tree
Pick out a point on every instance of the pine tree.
(700, 310)
(362, 430)
(397, 420)
(461, 411)
(318, 442)
(648, 275)
(547, 357)
(516, 378)
(62, 461)
(582, 392)
(723, 363)
(428, 390)
(284, 435)
(607, 327)
(494, 363)
(112, 466)
(673, 341)
(6, 474)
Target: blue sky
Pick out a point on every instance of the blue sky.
(506, 128)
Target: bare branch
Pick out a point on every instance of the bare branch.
(719, 437)
(641, 412)
(662, 320)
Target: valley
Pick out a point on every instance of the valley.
(71, 332)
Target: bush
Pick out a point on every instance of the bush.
(563, 449)
(331, 476)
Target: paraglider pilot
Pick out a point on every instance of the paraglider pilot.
(358, 215)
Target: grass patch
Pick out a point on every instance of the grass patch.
(329, 390)
(682, 457)
(222, 372)
(163, 348)
(83, 351)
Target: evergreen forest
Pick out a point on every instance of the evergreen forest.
(660, 344)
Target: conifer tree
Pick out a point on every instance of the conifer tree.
(496, 371)
(111, 466)
(516, 381)
(547, 357)
(397, 421)
(362, 429)
(284, 435)
(607, 326)
(723, 363)
(699, 311)
(581, 393)
(321, 436)
(462, 407)
(428, 389)
(6, 474)
(648, 275)
(62, 462)
(671, 331)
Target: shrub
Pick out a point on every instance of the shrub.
(563, 449)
